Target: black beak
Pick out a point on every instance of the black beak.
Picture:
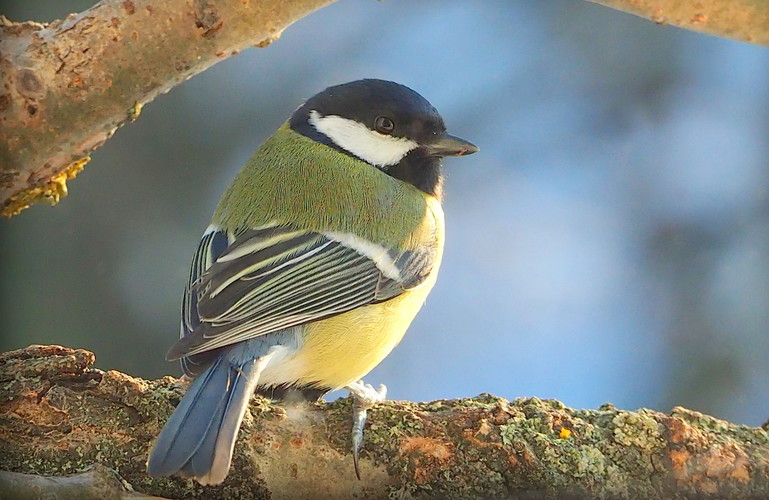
(448, 145)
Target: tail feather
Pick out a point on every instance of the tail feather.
(217, 458)
(200, 464)
(199, 438)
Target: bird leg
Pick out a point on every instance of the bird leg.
(364, 397)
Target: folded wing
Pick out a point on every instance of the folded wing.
(249, 283)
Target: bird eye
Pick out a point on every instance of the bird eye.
(384, 125)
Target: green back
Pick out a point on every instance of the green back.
(294, 180)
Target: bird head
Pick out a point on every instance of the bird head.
(385, 124)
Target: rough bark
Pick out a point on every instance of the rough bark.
(67, 86)
(59, 416)
(743, 20)
(97, 483)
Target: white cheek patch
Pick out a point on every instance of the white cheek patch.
(372, 147)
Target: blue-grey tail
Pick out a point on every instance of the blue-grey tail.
(199, 438)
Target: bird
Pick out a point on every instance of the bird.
(318, 257)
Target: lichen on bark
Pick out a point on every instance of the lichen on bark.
(61, 416)
(66, 86)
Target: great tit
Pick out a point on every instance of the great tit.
(318, 257)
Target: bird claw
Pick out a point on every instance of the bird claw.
(364, 397)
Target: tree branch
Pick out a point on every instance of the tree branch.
(67, 86)
(743, 20)
(59, 416)
(98, 483)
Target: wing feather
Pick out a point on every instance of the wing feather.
(248, 283)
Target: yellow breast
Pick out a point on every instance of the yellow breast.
(342, 349)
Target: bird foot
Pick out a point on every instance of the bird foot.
(364, 397)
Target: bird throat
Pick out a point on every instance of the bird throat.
(423, 171)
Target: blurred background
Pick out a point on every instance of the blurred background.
(610, 242)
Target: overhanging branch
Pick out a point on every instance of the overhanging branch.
(59, 416)
(743, 20)
(67, 86)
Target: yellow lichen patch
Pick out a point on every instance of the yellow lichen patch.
(50, 192)
(135, 111)
(565, 433)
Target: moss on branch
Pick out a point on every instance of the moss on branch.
(60, 416)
